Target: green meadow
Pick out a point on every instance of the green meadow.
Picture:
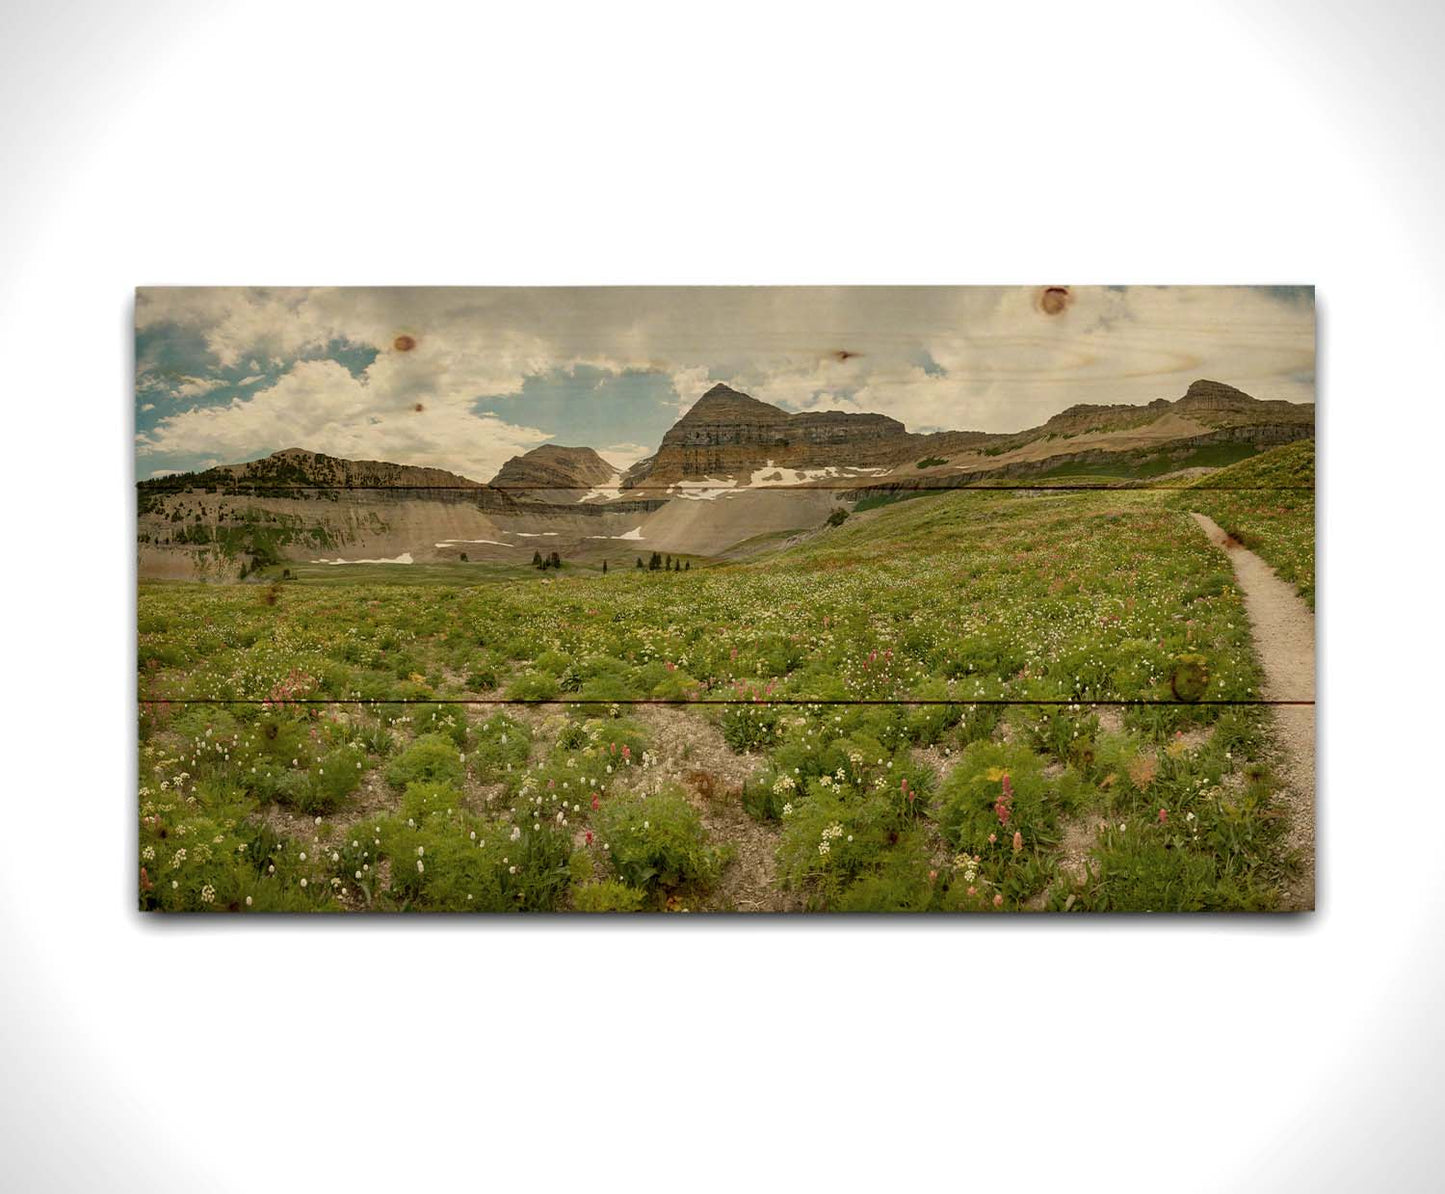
(970, 701)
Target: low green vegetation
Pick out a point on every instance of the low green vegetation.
(917, 717)
(876, 500)
(1146, 466)
(1268, 504)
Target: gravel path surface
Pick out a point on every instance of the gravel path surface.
(1284, 637)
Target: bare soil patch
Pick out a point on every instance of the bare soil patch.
(692, 752)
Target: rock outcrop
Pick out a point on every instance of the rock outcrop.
(731, 434)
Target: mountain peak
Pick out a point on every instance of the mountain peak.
(727, 433)
(555, 466)
(724, 404)
(1206, 395)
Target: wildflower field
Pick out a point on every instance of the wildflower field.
(973, 701)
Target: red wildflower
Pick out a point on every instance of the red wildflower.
(1003, 806)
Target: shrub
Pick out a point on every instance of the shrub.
(607, 896)
(902, 883)
(832, 835)
(459, 863)
(554, 662)
(746, 728)
(1066, 734)
(500, 746)
(430, 759)
(450, 721)
(657, 841)
(482, 677)
(533, 686)
(763, 798)
(926, 724)
(324, 786)
(421, 800)
(993, 788)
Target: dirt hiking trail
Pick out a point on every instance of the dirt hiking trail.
(1284, 637)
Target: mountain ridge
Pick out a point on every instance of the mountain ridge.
(731, 469)
(727, 432)
(301, 468)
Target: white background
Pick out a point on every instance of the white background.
(764, 143)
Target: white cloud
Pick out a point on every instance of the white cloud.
(624, 456)
(320, 406)
(1007, 364)
(690, 384)
(196, 387)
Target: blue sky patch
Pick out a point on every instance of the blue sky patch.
(589, 406)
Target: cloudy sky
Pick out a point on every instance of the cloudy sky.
(462, 379)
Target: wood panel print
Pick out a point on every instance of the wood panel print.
(808, 600)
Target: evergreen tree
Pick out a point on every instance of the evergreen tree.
(639, 561)
(688, 566)
(655, 563)
(556, 560)
(536, 559)
(604, 567)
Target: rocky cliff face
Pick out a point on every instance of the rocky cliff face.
(1204, 398)
(731, 434)
(553, 466)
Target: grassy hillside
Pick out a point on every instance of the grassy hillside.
(1157, 464)
(1268, 504)
(1290, 466)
